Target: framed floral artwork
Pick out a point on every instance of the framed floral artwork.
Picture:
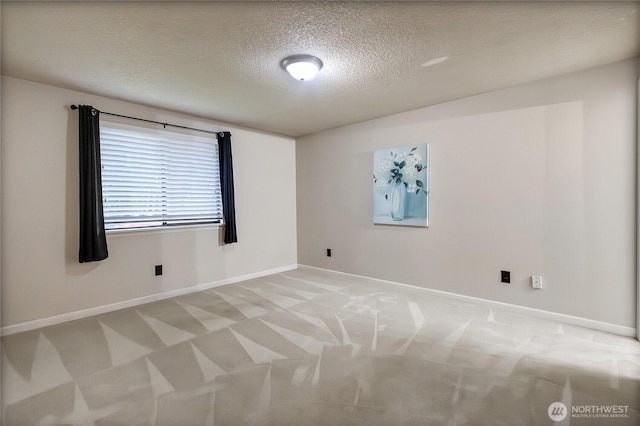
(401, 186)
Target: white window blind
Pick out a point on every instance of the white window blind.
(154, 178)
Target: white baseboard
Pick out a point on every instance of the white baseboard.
(539, 313)
(44, 322)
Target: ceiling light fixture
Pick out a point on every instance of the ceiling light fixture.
(302, 67)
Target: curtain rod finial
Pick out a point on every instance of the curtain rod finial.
(74, 106)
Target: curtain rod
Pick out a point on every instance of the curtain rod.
(74, 107)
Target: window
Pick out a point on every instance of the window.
(155, 178)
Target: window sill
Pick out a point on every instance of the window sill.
(162, 230)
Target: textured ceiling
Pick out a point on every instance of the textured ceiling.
(221, 60)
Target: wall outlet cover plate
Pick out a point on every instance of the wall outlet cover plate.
(536, 281)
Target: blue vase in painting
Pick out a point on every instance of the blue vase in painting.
(398, 195)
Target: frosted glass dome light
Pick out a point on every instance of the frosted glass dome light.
(302, 67)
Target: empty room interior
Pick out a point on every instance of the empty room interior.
(319, 213)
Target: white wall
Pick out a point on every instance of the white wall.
(41, 276)
(535, 179)
(638, 212)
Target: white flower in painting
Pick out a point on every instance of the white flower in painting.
(382, 175)
(412, 187)
(409, 172)
(383, 169)
(399, 167)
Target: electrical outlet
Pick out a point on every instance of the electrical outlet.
(158, 270)
(505, 277)
(328, 252)
(536, 281)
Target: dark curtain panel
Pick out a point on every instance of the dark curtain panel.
(93, 242)
(226, 183)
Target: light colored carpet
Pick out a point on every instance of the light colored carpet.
(314, 348)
